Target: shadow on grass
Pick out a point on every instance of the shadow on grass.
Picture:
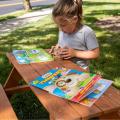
(28, 107)
(105, 12)
(40, 7)
(93, 3)
(21, 37)
(7, 18)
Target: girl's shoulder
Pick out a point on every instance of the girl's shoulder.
(86, 29)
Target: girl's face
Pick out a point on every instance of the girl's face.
(66, 25)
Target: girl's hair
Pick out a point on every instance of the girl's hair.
(68, 9)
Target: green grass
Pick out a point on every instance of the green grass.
(11, 16)
(44, 34)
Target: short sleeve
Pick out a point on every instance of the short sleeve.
(61, 41)
(91, 41)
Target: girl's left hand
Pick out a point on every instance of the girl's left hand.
(67, 53)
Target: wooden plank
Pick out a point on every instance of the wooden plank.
(86, 112)
(114, 94)
(57, 107)
(111, 116)
(6, 110)
(13, 90)
(70, 65)
(40, 68)
(55, 64)
(106, 104)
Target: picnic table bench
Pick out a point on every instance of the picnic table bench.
(60, 109)
(6, 110)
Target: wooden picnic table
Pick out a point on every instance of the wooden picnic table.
(60, 109)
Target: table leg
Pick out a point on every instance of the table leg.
(11, 85)
(51, 117)
(12, 79)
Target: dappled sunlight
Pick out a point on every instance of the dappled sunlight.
(101, 33)
(110, 23)
(117, 82)
(31, 35)
(109, 56)
(34, 108)
(1, 59)
(106, 45)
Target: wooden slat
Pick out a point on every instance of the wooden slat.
(6, 110)
(57, 107)
(114, 94)
(110, 116)
(86, 112)
(13, 90)
(106, 104)
(70, 65)
(40, 68)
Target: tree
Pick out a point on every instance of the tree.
(27, 5)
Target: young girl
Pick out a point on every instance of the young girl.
(77, 41)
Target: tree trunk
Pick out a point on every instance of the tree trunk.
(27, 5)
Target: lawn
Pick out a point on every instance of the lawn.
(101, 15)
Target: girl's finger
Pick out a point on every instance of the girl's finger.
(64, 53)
(52, 49)
(65, 56)
(64, 49)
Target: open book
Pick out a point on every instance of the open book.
(32, 56)
(71, 84)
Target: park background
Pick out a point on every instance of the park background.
(103, 16)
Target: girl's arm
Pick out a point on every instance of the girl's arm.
(68, 53)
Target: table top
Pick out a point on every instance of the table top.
(61, 108)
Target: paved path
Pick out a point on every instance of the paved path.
(9, 6)
(12, 24)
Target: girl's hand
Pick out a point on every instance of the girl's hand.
(51, 51)
(55, 50)
(67, 53)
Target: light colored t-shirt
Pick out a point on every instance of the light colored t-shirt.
(83, 39)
